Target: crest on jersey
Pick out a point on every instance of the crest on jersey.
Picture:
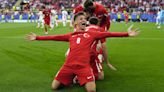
(86, 35)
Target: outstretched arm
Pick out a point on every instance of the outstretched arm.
(100, 35)
(131, 32)
(33, 36)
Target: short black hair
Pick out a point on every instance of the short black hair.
(89, 6)
(78, 14)
(88, 3)
(93, 20)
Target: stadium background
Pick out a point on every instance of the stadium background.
(22, 11)
(31, 66)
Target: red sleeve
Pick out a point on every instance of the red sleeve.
(54, 37)
(100, 35)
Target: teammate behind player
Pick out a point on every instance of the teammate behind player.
(78, 60)
(97, 58)
(96, 9)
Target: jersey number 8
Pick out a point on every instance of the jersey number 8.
(78, 40)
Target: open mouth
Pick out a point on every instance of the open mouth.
(84, 24)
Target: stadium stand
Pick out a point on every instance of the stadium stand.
(7, 4)
(145, 10)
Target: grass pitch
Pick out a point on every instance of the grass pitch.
(31, 66)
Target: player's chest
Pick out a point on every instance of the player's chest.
(81, 39)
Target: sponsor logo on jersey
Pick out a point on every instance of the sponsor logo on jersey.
(86, 35)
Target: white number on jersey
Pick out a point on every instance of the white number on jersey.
(78, 40)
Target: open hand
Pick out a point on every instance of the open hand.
(133, 32)
(111, 67)
(31, 36)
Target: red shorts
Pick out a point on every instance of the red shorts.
(96, 65)
(67, 73)
(47, 21)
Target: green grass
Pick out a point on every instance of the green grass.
(31, 66)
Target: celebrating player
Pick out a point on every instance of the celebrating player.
(96, 59)
(78, 60)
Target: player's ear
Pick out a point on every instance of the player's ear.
(75, 23)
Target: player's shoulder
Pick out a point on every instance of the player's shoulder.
(99, 8)
(98, 5)
(78, 9)
(94, 28)
(91, 27)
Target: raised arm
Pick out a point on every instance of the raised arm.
(33, 36)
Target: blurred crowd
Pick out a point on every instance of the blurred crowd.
(7, 3)
(150, 6)
(115, 7)
(112, 5)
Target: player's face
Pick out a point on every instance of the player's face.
(88, 15)
(81, 22)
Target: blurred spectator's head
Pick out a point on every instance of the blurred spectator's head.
(43, 7)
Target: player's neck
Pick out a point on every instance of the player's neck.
(78, 29)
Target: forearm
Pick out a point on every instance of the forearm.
(113, 34)
(105, 53)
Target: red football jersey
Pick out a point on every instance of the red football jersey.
(80, 45)
(47, 13)
(98, 29)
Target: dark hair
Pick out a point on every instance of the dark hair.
(88, 3)
(78, 14)
(89, 6)
(93, 20)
